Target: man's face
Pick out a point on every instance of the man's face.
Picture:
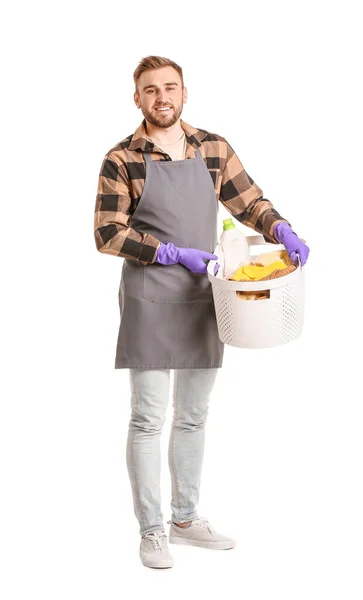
(157, 89)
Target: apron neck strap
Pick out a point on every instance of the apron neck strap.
(148, 158)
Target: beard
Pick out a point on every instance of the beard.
(161, 119)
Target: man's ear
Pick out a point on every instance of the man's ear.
(137, 100)
(185, 95)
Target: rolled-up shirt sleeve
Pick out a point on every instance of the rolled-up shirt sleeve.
(243, 198)
(112, 215)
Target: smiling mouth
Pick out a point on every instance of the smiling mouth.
(164, 109)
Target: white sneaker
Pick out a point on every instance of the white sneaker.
(199, 533)
(154, 551)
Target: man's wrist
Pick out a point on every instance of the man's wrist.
(281, 230)
(167, 252)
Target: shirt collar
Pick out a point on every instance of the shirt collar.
(193, 136)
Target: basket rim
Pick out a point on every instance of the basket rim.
(252, 286)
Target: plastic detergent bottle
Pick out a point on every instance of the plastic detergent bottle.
(235, 248)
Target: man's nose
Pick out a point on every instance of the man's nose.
(162, 96)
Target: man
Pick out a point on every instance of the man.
(156, 207)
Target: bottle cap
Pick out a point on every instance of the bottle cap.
(228, 224)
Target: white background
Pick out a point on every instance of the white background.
(283, 462)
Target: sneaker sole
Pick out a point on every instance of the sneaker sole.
(202, 544)
(164, 565)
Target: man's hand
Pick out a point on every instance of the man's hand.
(293, 244)
(191, 258)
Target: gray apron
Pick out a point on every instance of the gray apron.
(167, 315)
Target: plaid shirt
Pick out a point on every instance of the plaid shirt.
(122, 178)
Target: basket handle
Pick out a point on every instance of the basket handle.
(216, 264)
(256, 240)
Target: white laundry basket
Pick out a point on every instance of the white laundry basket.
(260, 323)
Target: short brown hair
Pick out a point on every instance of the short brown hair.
(155, 62)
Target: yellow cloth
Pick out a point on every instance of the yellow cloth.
(254, 272)
(267, 258)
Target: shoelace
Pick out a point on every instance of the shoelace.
(156, 539)
(202, 522)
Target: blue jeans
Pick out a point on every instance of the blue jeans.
(149, 400)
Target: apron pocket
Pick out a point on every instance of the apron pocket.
(175, 284)
(199, 288)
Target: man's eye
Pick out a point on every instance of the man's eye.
(168, 88)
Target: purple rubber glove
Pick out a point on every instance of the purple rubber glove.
(191, 258)
(293, 244)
